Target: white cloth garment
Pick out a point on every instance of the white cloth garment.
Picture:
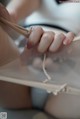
(66, 15)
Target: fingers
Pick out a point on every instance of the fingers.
(45, 42)
(57, 42)
(61, 39)
(40, 38)
(69, 38)
(48, 40)
(35, 36)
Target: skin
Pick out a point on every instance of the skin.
(19, 9)
(12, 96)
(48, 40)
(42, 40)
(22, 8)
(63, 106)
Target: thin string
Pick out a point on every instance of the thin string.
(44, 70)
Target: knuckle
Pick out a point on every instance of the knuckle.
(48, 36)
(45, 36)
(61, 35)
(39, 29)
(71, 34)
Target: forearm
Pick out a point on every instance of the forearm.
(19, 9)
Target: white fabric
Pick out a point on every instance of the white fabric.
(66, 15)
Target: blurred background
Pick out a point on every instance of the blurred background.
(4, 2)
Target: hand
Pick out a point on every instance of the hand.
(40, 42)
(48, 41)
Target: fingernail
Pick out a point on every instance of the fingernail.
(66, 41)
(69, 38)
